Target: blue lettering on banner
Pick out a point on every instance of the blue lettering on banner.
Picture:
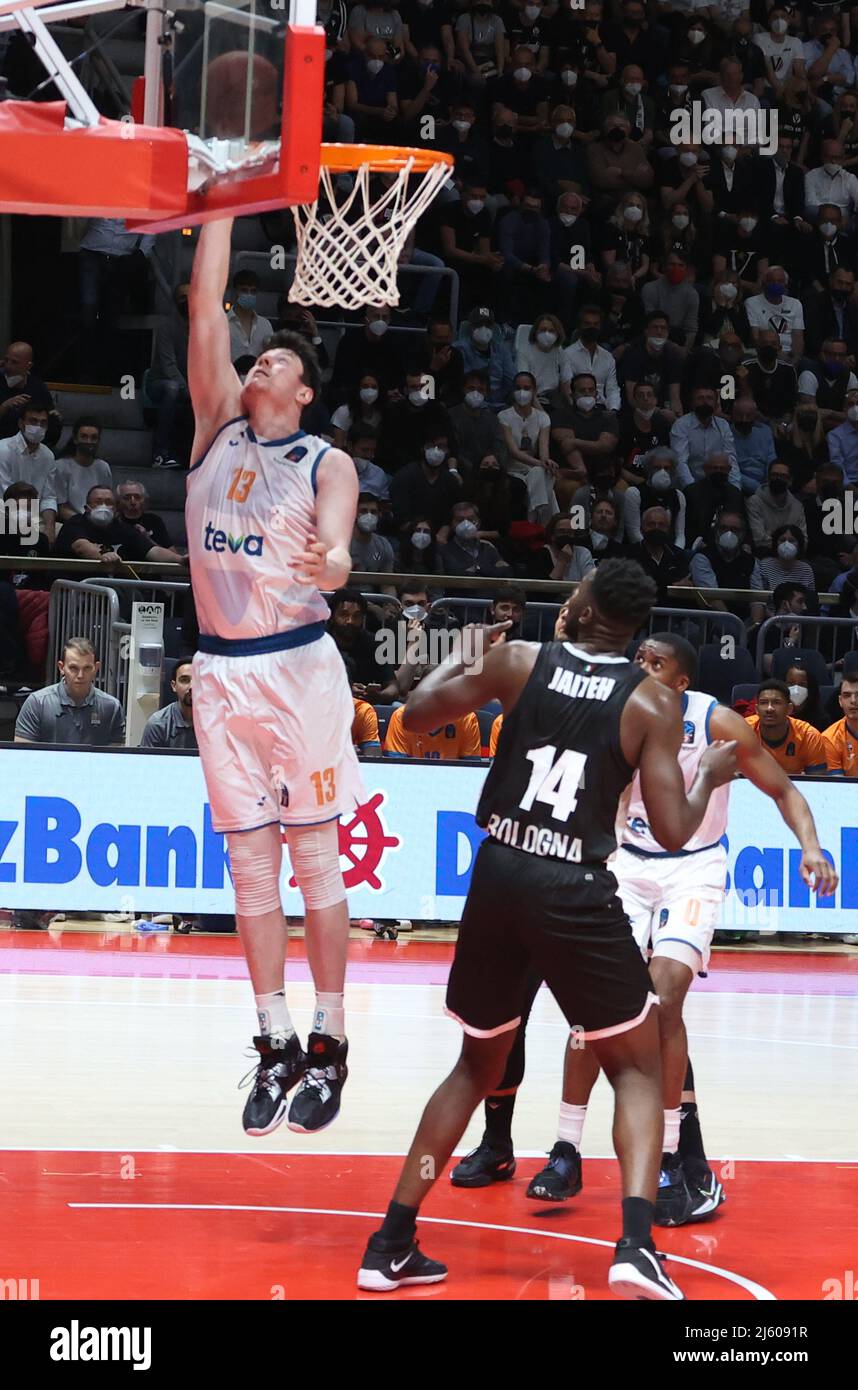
(125, 839)
(449, 883)
(161, 843)
(849, 867)
(7, 830)
(50, 852)
(215, 854)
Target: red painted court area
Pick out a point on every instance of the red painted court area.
(238, 1226)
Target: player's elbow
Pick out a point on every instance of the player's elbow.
(670, 837)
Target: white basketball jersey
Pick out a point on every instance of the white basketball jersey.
(696, 712)
(249, 509)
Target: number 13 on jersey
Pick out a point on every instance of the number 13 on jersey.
(555, 783)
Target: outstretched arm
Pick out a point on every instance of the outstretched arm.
(470, 677)
(326, 561)
(212, 380)
(759, 767)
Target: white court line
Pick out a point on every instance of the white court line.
(756, 1290)
(168, 1149)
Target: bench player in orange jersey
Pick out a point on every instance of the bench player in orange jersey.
(795, 745)
(841, 738)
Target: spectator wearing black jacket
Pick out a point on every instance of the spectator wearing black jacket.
(367, 349)
(727, 561)
(714, 493)
(833, 314)
(664, 562)
(20, 385)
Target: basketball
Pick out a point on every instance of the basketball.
(226, 101)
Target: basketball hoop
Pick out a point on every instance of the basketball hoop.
(350, 240)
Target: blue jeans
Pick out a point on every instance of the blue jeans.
(423, 289)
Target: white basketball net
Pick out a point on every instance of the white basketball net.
(349, 245)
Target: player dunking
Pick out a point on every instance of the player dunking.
(269, 513)
(673, 902)
(579, 719)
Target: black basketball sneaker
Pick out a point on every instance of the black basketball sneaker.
(316, 1103)
(278, 1070)
(483, 1166)
(673, 1204)
(383, 1268)
(638, 1272)
(707, 1194)
(561, 1178)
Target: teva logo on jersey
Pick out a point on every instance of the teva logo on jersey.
(221, 541)
(76, 1343)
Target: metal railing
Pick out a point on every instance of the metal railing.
(81, 609)
(167, 591)
(815, 627)
(697, 625)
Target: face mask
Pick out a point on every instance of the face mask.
(680, 221)
(246, 300)
(747, 224)
(730, 155)
(505, 132)
(474, 399)
(598, 540)
(568, 219)
(102, 516)
(589, 335)
(779, 26)
(787, 550)
(378, 327)
(466, 530)
(417, 398)
(522, 74)
(369, 395)
(483, 336)
(675, 274)
(533, 11)
(852, 413)
(833, 367)
(719, 480)
(87, 450)
(831, 169)
(34, 434)
(633, 214)
(658, 537)
(546, 339)
(728, 540)
(564, 130)
(14, 380)
(569, 77)
(767, 355)
(688, 159)
(585, 402)
(798, 695)
(680, 89)
(728, 292)
(696, 36)
(615, 136)
(660, 480)
(648, 413)
(374, 65)
(633, 89)
(778, 487)
(462, 126)
(434, 456)
(774, 292)
(475, 205)
(704, 412)
(743, 426)
(806, 421)
(829, 490)
(420, 539)
(367, 521)
(522, 397)
(656, 343)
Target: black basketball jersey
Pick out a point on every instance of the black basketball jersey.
(559, 772)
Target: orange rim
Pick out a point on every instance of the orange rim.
(343, 159)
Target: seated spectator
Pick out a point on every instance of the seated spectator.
(658, 488)
(627, 237)
(367, 351)
(365, 733)
(655, 360)
(727, 561)
(98, 534)
(557, 160)
(683, 235)
(775, 310)
(441, 360)
(542, 356)
(843, 441)
(410, 418)
(787, 563)
(684, 178)
(167, 383)
(24, 458)
(363, 408)
(773, 505)
(772, 383)
(642, 428)
(731, 93)
(248, 331)
(131, 506)
(465, 552)
(371, 553)
(374, 20)
(464, 140)
(676, 297)
(833, 313)
(629, 100)
(74, 710)
(830, 245)
(700, 433)
(795, 745)
(841, 737)
(22, 536)
(173, 726)
(430, 486)
(585, 357)
(636, 42)
(805, 696)
(617, 164)
(476, 427)
(480, 43)
(806, 450)
(585, 433)
(753, 444)
(509, 607)
(526, 431)
(827, 382)
(712, 494)
(20, 385)
(484, 349)
(371, 97)
(362, 443)
(426, 87)
(829, 182)
(373, 679)
(605, 520)
(499, 498)
(663, 561)
(524, 241)
(602, 484)
(522, 92)
(466, 245)
(456, 741)
(622, 309)
(564, 556)
(830, 529)
(417, 550)
(789, 598)
(508, 159)
(78, 468)
(724, 313)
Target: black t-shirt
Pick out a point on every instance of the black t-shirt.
(154, 527)
(522, 100)
(659, 371)
(586, 426)
(631, 249)
(634, 442)
(125, 540)
(15, 545)
(467, 230)
(672, 567)
(742, 253)
(775, 392)
(368, 670)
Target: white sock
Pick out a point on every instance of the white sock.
(570, 1124)
(671, 1129)
(329, 1017)
(273, 1014)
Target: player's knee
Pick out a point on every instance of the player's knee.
(670, 999)
(482, 1062)
(255, 861)
(315, 854)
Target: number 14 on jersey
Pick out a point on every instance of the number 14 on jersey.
(555, 783)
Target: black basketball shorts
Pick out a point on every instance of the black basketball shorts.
(526, 914)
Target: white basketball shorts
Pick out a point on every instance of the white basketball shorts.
(673, 901)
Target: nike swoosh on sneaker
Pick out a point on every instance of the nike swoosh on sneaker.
(395, 1268)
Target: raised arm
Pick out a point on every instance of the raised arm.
(471, 677)
(212, 380)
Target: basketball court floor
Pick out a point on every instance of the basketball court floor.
(125, 1172)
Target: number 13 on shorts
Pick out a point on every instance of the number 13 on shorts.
(325, 785)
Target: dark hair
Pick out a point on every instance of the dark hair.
(246, 277)
(511, 596)
(424, 560)
(177, 665)
(812, 708)
(359, 431)
(584, 376)
(623, 593)
(793, 531)
(18, 490)
(782, 593)
(682, 651)
(99, 487)
(655, 314)
(771, 683)
(341, 596)
(82, 421)
(478, 374)
(311, 373)
(780, 463)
